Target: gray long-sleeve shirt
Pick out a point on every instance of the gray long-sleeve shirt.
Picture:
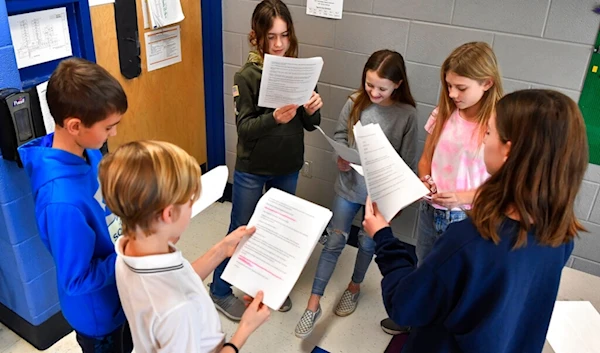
(399, 124)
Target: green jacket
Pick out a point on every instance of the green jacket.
(265, 147)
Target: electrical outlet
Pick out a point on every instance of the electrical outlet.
(306, 170)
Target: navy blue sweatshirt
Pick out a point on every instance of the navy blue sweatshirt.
(470, 295)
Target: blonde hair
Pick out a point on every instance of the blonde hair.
(476, 61)
(140, 179)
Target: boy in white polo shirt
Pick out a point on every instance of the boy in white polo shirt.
(152, 185)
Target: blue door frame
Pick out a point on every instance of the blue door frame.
(212, 46)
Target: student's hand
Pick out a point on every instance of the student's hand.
(314, 103)
(343, 165)
(256, 313)
(284, 114)
(374, 221)
(231, 241)
(448, 200)
(429, 184)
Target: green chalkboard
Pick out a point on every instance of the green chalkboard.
(589, 103)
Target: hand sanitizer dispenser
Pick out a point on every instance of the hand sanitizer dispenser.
(16, 123)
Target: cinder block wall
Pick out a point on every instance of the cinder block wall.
(539, 44)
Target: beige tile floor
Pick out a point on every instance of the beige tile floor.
(359, 332)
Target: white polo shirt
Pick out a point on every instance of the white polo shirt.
(166, 304)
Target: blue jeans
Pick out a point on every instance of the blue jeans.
(338, 230)
(432, 224)
(247, 190)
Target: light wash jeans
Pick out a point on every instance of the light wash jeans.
(338, 230)
(247, 190)
(432, 224)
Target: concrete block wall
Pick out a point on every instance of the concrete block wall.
(539, 44)
(26, 268)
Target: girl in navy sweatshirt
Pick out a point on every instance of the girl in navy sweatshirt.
(490, 283)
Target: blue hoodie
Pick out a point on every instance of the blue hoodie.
(79, 230)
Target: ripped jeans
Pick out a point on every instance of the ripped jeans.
(338, 230)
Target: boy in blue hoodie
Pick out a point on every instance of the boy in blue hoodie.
(75, 225)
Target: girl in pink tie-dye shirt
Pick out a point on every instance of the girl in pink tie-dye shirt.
(452, 161)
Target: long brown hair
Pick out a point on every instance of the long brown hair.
(543, 171)
(389, 65)
(477, 61)
(262, 21)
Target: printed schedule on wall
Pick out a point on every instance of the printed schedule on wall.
(41, 36)
(325, 8)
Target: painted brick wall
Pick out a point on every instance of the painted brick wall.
(539, 44)
(26, 266)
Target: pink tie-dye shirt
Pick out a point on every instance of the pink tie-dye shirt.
(457, 163)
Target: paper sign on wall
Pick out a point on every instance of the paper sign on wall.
(163, 47)
(40, 36)
(100, 2)
(47, 117)
(145, 14)
(164, 12)
(325, 8)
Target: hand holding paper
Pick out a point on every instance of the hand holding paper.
(288, 80)
(315, 103)
(285, 114)
(374, 220)
(390, 181)
(287, 231)
(256, 312)
(230, 243)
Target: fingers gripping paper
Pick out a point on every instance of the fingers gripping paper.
(390, 181)
(288, 80)
(287, 231)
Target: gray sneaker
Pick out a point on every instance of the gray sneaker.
(347, 304)
(230, 306)
(286, 306)
(307, 323)
(392, 328)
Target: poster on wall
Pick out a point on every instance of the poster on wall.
(163, 47)
(164, 12)
(46, 115)
(40, 36)
(325, 8)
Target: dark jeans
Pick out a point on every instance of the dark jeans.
(118, 341)
(247, 190)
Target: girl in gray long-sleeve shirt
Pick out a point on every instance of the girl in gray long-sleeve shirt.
(385, 99)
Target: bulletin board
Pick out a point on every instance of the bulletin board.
(589, 103)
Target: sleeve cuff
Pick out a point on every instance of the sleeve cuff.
(382, 234)
(270, 121)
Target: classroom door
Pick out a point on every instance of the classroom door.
(166, 104)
